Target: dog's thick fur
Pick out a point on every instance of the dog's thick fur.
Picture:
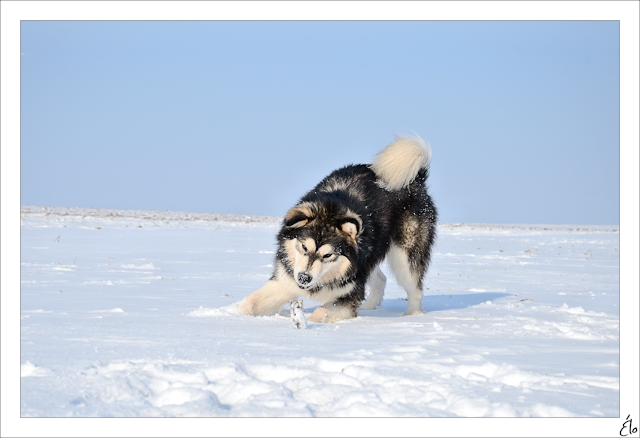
(332, 242)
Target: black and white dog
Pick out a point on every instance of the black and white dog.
(332, 242)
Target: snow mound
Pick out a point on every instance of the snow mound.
(28, 369)
(132, 266)
(204, 311)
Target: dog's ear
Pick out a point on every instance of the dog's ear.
(298, 216)
(351, 225)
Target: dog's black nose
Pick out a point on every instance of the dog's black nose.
(303, 278)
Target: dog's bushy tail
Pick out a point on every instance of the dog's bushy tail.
(399, 162)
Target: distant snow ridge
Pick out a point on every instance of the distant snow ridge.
(142, 217)
(62, 215)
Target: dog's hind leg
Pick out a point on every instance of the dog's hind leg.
(409, 277)
(376, 282)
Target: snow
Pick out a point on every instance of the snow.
(130, 313)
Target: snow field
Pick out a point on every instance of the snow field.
(126, 316)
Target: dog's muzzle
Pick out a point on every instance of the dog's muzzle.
(304, 280)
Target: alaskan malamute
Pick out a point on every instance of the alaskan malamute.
(332, 242)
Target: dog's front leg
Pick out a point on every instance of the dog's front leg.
(268, 299)
(332, 312)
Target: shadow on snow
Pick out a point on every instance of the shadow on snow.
(434, 303)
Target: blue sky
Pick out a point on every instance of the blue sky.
(245, 117)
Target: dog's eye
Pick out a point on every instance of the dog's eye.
(326, 256)
(304, 248)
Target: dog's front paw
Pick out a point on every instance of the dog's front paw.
(319, 315)
(245, 307)
(413, 312)
(332, 314)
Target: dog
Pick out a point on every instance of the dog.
(333, 240)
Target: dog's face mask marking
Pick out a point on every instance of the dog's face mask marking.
(314, 253)
(312, 265)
